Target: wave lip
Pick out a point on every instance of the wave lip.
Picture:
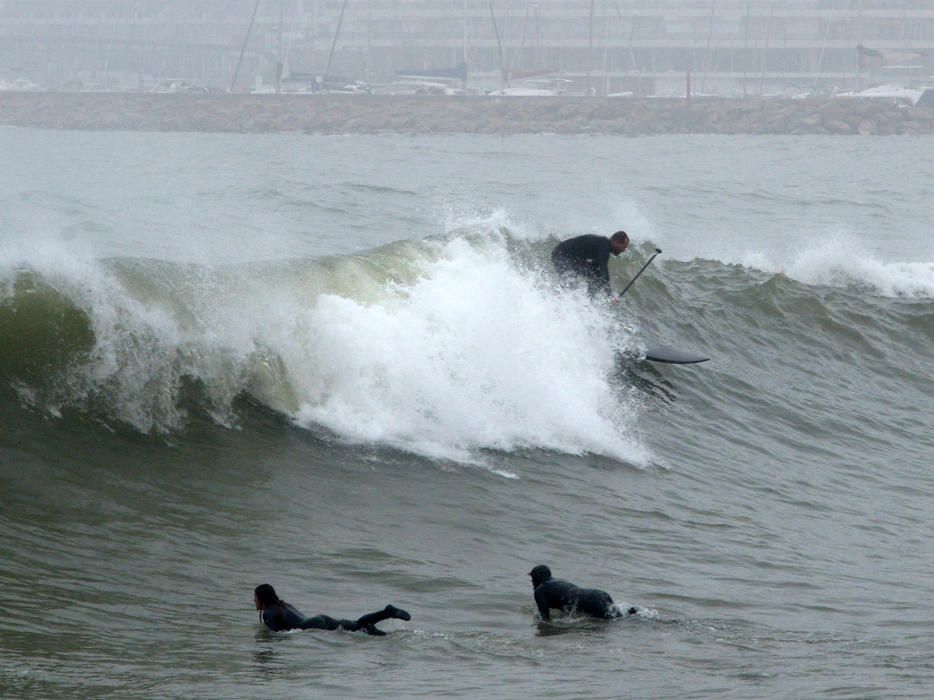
(840, 261)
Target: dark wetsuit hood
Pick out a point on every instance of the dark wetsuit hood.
(266, 595)
(540, 574)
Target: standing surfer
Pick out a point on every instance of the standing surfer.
(586, 258)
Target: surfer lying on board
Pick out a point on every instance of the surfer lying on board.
(555, 593)
(586, 259)
(279, 616)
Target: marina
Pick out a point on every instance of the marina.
(726, 48)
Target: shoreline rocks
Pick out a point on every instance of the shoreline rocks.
(430, 114)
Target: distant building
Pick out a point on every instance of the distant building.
(729, 47)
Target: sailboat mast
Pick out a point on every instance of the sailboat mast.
(337, 31)
(246, 39)
(590, 89)
(502, 57)
(279, 58)
(466, 49)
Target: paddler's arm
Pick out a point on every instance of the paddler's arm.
(603, 273)
(542, 603)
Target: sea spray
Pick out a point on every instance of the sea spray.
(474, 355)
(842, 260)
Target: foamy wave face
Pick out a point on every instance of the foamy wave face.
(842, 261)
(143, 350)
(474, 355)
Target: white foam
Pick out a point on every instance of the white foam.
(490, 223)
(841, 260)
(623, 608)
(475, 355)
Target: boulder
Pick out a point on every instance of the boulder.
(837, 126)
(867, 127)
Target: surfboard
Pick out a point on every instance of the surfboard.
(673, 356)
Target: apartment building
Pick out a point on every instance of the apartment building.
(650, 47)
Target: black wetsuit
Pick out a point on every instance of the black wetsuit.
(584, 258)
(282, 616)
(555, 593)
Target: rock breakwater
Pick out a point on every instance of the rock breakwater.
(367, 114)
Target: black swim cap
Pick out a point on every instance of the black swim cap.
(266, 595)
(540, 574)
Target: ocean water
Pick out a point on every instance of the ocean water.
(340, 365)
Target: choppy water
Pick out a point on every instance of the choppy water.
(339, 365)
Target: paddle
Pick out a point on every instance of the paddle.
(658, 252)
(664, 353)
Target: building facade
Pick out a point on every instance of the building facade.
(728, 47)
